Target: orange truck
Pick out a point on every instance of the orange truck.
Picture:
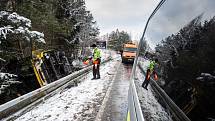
(129, 52)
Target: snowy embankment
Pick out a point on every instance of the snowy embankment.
(76, 103)
(151, 108)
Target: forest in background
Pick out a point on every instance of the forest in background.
(63, 27)
(117, 38)
(66, 24)
(186, 58)
(188, 68)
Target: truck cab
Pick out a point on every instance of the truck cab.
(129, 52)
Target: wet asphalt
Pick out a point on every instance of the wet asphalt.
(117, 102)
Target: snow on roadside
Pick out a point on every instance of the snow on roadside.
(105, 54)
(74, 104)
(151, 108)
(144, 63)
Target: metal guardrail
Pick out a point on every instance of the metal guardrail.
(177, 113)
(134, 108)
(21, 102)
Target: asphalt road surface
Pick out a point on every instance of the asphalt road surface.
(116, 104)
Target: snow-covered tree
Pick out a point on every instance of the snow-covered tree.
(6, 80)
(66, 24)
(14, 31)
(144, 48)
(12, 23)
(187, 58)
(117, 39)
(83, 27)
(15, 34)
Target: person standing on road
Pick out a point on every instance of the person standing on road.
(150, 70)
(96, 62)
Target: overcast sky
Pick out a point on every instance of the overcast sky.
(131, 16)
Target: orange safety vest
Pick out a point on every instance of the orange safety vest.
(95, 62)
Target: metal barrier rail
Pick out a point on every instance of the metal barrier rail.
(176, 112)
(134, 108)
(21, 102)
(134, 104)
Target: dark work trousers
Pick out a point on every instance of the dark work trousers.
(96, 72)
(147, 78)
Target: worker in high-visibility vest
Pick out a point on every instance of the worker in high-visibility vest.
(149, 72)
(96, 62)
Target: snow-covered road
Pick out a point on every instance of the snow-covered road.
(80, 103)
(151, 108)
(83, 102)
(116, 106)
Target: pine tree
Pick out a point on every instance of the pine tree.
(188, 61)
(117, 39)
